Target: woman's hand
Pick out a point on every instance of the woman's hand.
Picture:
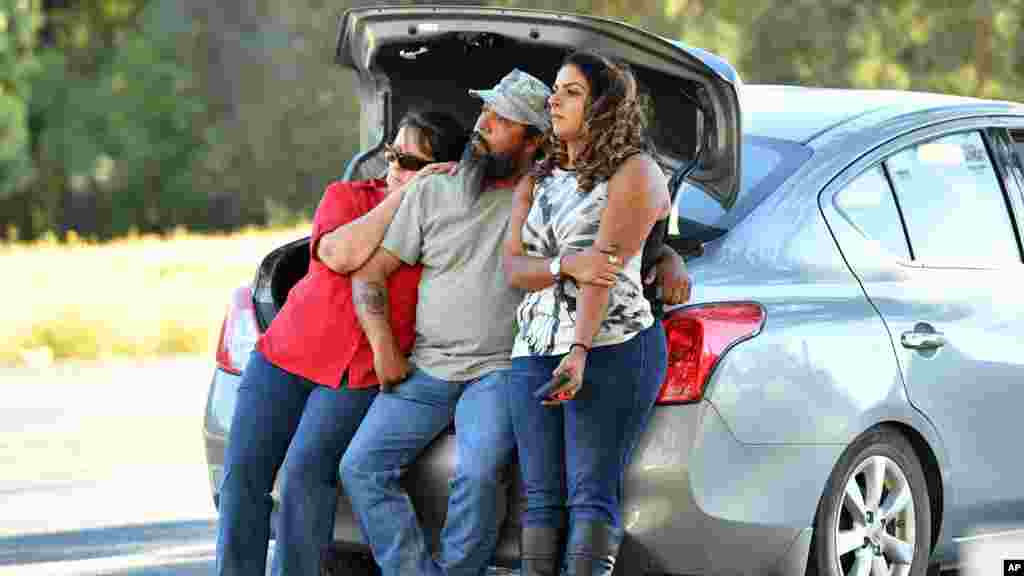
(670, 274)
(570, 370)
(592, 266)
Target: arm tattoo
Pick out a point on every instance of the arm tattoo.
(373, 298)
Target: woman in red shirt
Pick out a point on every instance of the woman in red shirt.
(310, 380)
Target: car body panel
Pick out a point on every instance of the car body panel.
(968, 387)
(782, 256)
(957, 387)
(823, 342)
(754, 485)
(220, 408)
(769, 110)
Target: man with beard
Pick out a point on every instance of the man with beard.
(454, 225)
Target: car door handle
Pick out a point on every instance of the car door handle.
(922, 340)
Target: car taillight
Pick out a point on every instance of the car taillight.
(238, 333)
(697, 337)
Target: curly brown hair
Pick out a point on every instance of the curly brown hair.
(614, 123)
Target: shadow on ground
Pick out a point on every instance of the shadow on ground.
(159, 548)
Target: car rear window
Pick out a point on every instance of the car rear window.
(765, 164)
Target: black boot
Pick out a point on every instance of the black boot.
(592, 549)
(540, 548)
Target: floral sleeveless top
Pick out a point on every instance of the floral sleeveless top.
(563, 220)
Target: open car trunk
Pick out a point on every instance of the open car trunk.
(432, 56)
(429, 57)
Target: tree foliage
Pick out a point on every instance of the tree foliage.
(150, 114)
(112, 114)
(966, 48)
(20, 21)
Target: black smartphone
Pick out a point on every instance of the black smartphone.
(544, 392)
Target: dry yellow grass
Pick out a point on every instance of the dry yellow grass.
(143, 296)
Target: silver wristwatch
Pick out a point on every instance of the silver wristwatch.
(556, 267)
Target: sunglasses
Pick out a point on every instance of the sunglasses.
(405, 161)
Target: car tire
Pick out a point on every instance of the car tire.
(894, 528)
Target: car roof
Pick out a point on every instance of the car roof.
(802, 114)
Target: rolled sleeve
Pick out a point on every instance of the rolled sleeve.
(405, 234)
(341, 203)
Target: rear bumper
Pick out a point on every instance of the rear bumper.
(692, 501)
(220, 408)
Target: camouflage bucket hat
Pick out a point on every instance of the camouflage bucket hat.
(521, 98)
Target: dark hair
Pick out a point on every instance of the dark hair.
(439, 133)
(614, 126)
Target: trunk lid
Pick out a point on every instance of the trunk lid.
(417, 55)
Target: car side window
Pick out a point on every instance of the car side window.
(868, 205)
(952, 202)
(1017, 137)
(1017, 163)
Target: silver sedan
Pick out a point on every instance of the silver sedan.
(841, 391)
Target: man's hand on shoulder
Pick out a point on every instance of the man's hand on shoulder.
(671, 275)
(449, 168)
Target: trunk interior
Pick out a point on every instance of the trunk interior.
(438, 73)
(279, 271)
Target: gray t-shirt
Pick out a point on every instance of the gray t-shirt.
(465, 316)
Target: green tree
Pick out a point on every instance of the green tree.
(967, 48)
(20, 21)
(115, 122)
(287, 115)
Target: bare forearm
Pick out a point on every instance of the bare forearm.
(529, 273)
(370, 297)
(348, 247)
(592, 307)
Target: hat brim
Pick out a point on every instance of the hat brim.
(501, 105)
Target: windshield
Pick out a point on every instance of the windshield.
(766, 163)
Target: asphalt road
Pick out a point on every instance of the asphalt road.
(102, 469)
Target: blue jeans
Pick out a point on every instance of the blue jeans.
(395, 431)
(590, 437)
(281, 417)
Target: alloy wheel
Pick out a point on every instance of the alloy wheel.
(875, 527)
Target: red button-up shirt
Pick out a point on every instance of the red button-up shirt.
(316, 334)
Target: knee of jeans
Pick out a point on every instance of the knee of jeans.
(309, 466)
(243, 479)
(481, 476)
(359, 468)
(348, 469)
(595, 504)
